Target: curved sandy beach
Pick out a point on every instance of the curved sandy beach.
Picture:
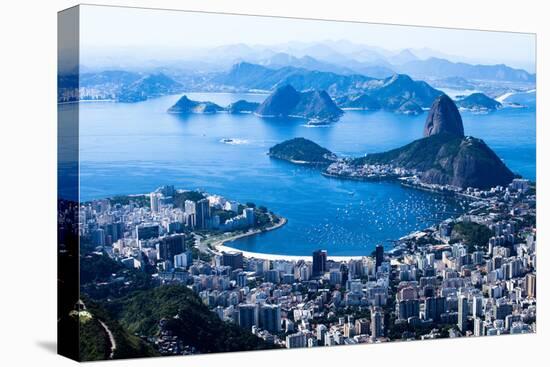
(258, 255)
(220, 246)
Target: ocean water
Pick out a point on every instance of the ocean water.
(134, 148)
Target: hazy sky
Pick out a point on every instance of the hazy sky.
(110, 27)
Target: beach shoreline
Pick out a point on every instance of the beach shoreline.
(263, 256)
(220, 247)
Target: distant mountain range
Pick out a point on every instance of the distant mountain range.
(318, 89)
(149, 86)
(246, 77)
(436, 68)
(124, 86)
(340, 57)
(343, 57)
(398, 92)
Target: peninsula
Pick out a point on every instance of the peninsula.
(443, 157)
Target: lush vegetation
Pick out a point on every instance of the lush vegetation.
(447, 159)
(262, 219)
(195, 324)
(416, 155)
(181, 197)
(95, 343)
(98, 278)
(302, 150)
(139, 200)
(223, 214)
(474, 235)
(130, 303)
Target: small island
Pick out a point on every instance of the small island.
(186, 106)
(242, 106)
(302, 151)
(315, 106)
(478, 102)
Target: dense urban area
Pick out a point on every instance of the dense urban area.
(473, 275)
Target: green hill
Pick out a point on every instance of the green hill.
(195, 324)
(446, 159)
(479, 102)
(136, 306)
(94, 340)
(301, 150)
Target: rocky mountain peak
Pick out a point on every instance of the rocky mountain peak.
(444, 118)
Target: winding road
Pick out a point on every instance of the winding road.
(111, 338)
(109, 333)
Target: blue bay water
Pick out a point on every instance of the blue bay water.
(134, 148)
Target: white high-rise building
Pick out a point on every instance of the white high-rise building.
(183, 260)
(155, 198)
(232, 206)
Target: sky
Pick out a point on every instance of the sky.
(111, 28)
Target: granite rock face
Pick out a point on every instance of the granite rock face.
(444, 118)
